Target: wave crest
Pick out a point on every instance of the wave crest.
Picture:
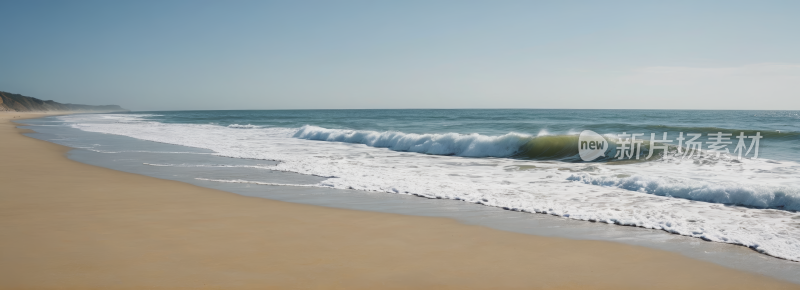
(472, 145)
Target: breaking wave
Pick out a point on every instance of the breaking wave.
(755, 196)
(472, 145)
(511, 145)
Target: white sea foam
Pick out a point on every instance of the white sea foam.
(683, 197)
(543, 132)
(158, 165)
(751, 195)
(257, 182)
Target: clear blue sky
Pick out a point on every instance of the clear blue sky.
(168, 55)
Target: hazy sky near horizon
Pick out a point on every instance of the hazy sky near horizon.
(181, 55)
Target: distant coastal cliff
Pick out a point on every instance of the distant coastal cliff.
(19, 103)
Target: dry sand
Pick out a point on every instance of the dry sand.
(68, 225)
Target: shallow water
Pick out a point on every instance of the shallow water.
(199, 166)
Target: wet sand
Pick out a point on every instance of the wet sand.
(69, 225)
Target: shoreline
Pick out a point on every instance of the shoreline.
(91, 227)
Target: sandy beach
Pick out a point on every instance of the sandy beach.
(68, 225)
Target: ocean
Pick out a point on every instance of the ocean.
(521, 161)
